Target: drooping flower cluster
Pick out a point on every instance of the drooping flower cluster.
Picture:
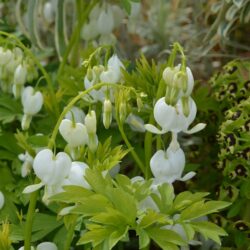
(100, 74)
(174, 113)
(16, 69)
(103, 19)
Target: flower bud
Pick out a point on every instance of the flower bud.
(107, 113)
(20, 75)
(93, 142)
(1, 200)
(90, 122)
(122, 112)
(135, 122)
(168, 75)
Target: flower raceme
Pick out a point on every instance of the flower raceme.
(172, 118)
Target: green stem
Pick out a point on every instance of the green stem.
(70, 234)
(129, 146)
(76, 33)
(29, 220)
(39, 65)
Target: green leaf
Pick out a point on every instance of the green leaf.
(98, 183)
(38, 140)
(44, 224)
(126, 5)
(72, 194)
(60, 35)
(202, 208)
(144, 239)
(167, 239)
(209, 230)
(165, 200)
(109, 217)
(96, 235)
(186, 198)
(92, 205)
(33, 22)
(107, 157)
(150, 218)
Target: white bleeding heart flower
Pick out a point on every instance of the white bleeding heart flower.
(167, 166)
(1, 200)
(51, 170)
(76, 175)
(5, 56)
(172, 118)
(20, 75)
(75, 134)
(75, 114)
(27, 160)
(32, 101)
(135, 122)
(89, 30)
(105, 21)
(46, 246)
(113, 72)
(97, 95)
(49, 12)
(118, 15)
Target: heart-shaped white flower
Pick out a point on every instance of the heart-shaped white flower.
(76, 175)
(172, 118)
(51, 169)
(32, 101)
(5, 56)
(20, 75)
(75, 134)
(113, 73)
(167, 166)
(105, 22)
